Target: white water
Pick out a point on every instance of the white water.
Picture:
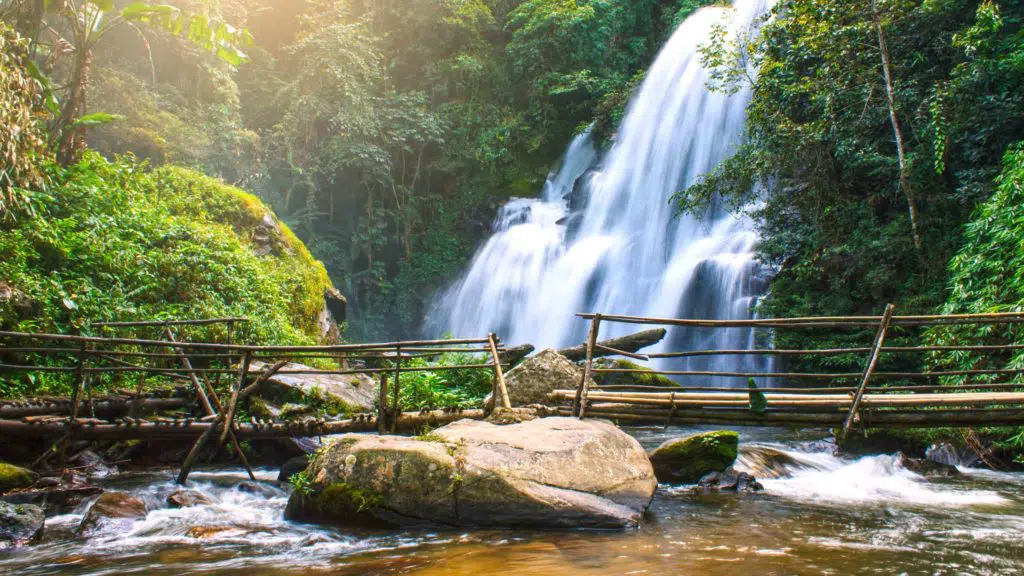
(625, 250)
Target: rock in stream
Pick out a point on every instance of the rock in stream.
(551, 472)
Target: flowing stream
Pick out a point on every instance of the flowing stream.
(604, 235)
(818, 515)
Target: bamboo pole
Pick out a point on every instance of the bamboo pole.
(499, 376)
(580, 406)
(820, 321)
(382, 405)
(397, 390)
(868, 369)
(138, 323)
(75, 392)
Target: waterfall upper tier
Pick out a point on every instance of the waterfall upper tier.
(605, 236)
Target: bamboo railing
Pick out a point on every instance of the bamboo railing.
(847, 400)
(133, 365)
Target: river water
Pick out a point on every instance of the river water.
(823, 516)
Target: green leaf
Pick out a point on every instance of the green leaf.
(758, 402)
(97, 119)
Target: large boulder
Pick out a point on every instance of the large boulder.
(532, 381)
(550, 472)
(20, 524)
(113, 509)
(687, 460)
(13, 477)
(334, 392)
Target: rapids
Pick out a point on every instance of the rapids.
(824, 515)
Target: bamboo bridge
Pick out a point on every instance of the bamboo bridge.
(116, 380)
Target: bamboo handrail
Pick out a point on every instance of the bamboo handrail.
(200, 322)
(818, 321)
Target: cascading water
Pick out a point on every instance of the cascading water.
(625, 251)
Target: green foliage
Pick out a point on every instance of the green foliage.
(114, 240)
(461, 388)
(22, 142)
(302, 483)
(820, 156)
(758, 401)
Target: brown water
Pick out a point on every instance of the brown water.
(829, 516)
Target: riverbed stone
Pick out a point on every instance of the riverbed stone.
(686, 460)
(292, 466)
(118, 508)
(187, 499)
(20, 524)
(531, 381)
(340, 392)
(925, 467)
(13, 477)
(549, 473)
(729, 480)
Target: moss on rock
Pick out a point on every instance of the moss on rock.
(644, 378)
(685, 460)
(13, 477)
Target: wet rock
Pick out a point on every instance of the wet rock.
(258, 489)
(925, 467)
(729, 480)
(340, 392)
(532, 381)
(92, 463)
(768, 462)
(203, 532)
(946, 453)
(686, 460)
(187, 498)
(48, 482)
(552, 472)
(13, 477)
(20, 524)
(113, 508)
(292, 466)
(58, 500)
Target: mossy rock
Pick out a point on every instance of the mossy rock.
(548, 472)
(13, 477)
(686, 460)
(645, 378)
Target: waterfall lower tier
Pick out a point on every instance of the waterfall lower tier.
(604, 235)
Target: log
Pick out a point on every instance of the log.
(104, 408)
(630, 343)
(513, 355)
(408, 422)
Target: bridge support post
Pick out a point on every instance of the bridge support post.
(869, 368)
(499, 375)
(579, 406)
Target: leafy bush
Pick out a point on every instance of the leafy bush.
(461, 388)
(115, 241)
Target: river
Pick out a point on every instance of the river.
(825, 516)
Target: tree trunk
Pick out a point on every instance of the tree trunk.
(883, 48)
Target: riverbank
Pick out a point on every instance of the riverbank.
(827, 515)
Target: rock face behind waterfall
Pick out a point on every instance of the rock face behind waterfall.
(551, 472)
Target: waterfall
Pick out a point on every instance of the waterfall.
(604, 235)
